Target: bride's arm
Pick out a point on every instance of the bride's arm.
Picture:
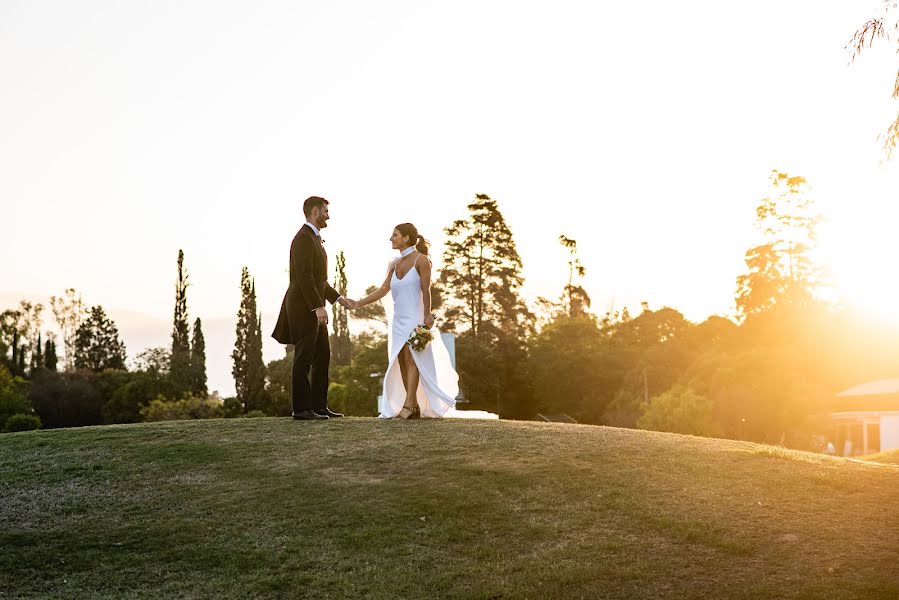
(424, 272)
(377, 294)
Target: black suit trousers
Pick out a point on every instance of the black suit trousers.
(309, 376)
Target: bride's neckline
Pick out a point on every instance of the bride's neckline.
(403, 255)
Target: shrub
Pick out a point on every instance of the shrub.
(189, 407)
(22, 422)
(680, 410)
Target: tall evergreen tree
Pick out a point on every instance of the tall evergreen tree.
(481, 283)
(37, 357)
(198, 360)
(18, 356)
(341, 344)
(50, 355)
(248, 368)
(180, 370)
(97, 343)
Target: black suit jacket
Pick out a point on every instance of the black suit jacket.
(308, 288)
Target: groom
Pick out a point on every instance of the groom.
(303, 321)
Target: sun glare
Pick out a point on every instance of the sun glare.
(861, 252)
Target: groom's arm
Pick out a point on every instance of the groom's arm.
(331, 295)
(302, 253)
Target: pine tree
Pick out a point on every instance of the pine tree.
(198, 360)
(180, 371)
(50, 355)
(248, 368)
(481, 281)
(341, 344)
(97, 343)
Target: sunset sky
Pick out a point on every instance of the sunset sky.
(646, 131)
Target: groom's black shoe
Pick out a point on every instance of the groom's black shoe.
(327, 412)
(309, 415)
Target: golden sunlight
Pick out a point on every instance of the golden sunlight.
(861, 251)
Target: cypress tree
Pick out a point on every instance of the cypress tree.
(341, 344)
(50, 355)
(198, 360)
(37, 357)
(180, 371)
(248, 368)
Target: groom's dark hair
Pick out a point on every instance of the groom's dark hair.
(311, 202)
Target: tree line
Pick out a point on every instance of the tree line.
(761, 375)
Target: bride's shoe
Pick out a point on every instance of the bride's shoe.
(408, 413)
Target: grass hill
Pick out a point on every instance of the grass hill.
(890, 457)
(271, 508)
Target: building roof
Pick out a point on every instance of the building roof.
(881, 387)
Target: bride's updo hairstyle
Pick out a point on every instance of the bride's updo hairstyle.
(408, 230)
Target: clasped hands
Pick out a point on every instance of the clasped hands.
(347, 303)
(321, 313)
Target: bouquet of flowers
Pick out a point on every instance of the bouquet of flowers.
(420, 338)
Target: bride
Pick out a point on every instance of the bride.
(417, 384)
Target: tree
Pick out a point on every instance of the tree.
(37, 358)
(50, 354)
(341, 344)
(180, 369)
(680, 410)
(569, 364)
(198, 360)
(781, 270)
(483, 273)
(97, 343)
(68, 312)
(248, 368)
(30, 330)
(375, 311)
(66, 399)
(864, 36)
(13, 398)
(154, 361)
(577, 298)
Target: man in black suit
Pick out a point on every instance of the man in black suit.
(303, 321)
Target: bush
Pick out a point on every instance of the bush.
(126, 402)
(680, 410)
(13, 399)
(22, 422)
(352, 400)
(254, 414)
(66, 400)
(189, 407)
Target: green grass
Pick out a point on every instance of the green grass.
(890, 457)
(353, 508)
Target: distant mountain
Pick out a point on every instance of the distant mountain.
(140, 331)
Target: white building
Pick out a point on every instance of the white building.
(866, 418)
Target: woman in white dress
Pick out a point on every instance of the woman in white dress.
(416, 383)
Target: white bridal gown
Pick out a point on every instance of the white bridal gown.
(438, 382)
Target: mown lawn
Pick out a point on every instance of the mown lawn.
(353, 508)
(890, 457)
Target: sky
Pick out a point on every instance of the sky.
(645, 131)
